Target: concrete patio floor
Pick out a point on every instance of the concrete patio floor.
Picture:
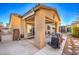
(26, 47)
(47, 50)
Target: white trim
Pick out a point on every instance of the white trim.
(30, 14)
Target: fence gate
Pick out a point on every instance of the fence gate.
(16, 34)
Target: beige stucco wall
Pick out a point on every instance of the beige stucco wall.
(39, 40)
(40, 25)
(15, 22)
(50, 14)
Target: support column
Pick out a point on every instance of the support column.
(53, 27)
(39, 40)
(46, 31)
(57, 27)
(25, 29)
(21, 29)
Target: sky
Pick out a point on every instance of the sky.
(67, 12)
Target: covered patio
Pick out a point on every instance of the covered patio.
(38, 18)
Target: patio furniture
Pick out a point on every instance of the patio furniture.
(56, 40)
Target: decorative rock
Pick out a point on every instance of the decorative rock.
(76, 43)
(74, 40)
(70, 47)
(69, 50)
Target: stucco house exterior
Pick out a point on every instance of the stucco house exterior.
(39, 18)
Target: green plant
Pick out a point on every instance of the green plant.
(75, 32)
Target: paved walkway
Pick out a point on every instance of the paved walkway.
(71, 47)
(26, 47)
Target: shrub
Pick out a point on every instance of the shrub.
(75, 32)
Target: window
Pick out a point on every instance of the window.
(48, 27)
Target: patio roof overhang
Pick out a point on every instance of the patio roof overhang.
(36, 8)
(30, 20)
(28, 15)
